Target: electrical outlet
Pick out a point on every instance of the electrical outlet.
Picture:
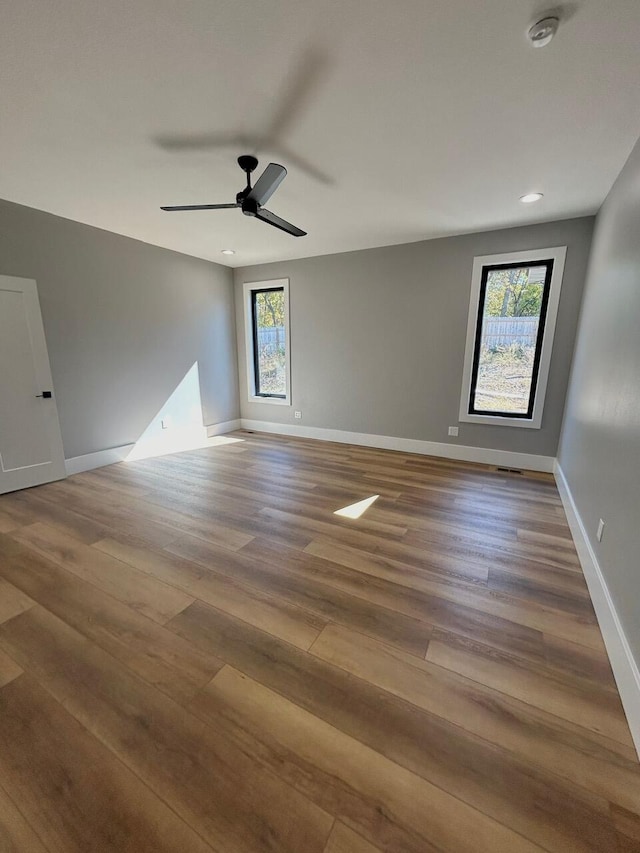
(297, 415)
(600, 530)
(453, 431)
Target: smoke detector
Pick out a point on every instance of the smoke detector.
(541, 33)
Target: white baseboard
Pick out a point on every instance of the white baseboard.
(527, 461)
(464, 453)
(625, 668)
(99, 459)
(225, 426)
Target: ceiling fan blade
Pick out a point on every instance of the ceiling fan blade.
(302, 164)
(277, 222)
(206, 141)
(302, 82)
(268, 183)
(200, 207)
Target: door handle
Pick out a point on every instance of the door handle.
(46, 394)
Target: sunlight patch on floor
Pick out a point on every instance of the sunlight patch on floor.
(357, 509)
(218, 440)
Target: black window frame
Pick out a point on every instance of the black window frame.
(254, 338)
(486, 270)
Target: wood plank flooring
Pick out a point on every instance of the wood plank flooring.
(197, 654)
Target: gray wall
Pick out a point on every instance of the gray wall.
(124, 322)
(600, 444)
(378, 337)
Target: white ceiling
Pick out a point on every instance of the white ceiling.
(431, 117)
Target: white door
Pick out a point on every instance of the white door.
(30, 443)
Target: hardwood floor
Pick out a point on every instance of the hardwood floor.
(197, 654)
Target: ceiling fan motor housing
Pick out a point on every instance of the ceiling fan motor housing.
(249, 206)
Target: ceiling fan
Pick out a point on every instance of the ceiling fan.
(251, 199)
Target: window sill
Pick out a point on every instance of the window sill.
(271, 401)
(497, 420)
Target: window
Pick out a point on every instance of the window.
(269, 342)
(510, 327)
(514, 301)
(267, 337)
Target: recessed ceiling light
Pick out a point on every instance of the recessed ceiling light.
(529, 198)
(228, 251)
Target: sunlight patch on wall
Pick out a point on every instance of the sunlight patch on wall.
(178, 425)
(357, 509)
